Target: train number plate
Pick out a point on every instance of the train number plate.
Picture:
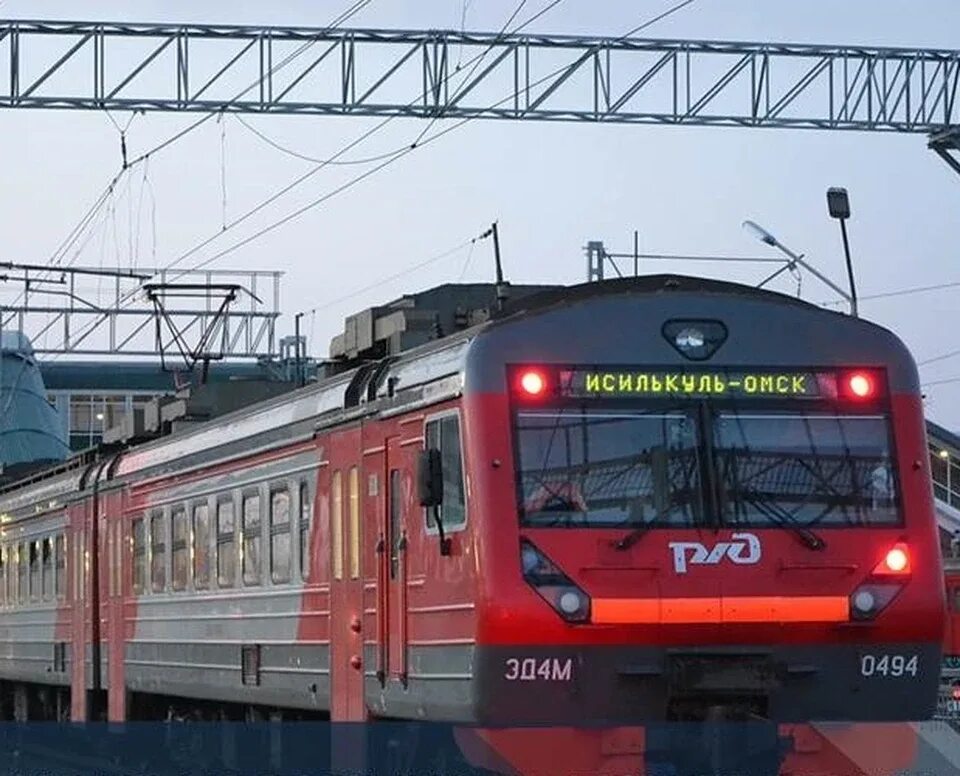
(889, 666)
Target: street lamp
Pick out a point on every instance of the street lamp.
(765, 237)
(839, 207)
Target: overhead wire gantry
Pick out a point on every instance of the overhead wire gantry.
(370, 72)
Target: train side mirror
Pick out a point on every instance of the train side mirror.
(430, 478)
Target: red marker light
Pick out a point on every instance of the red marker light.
(897, 561)
(861, 385)
(533, 382)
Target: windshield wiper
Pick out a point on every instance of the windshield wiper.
(626, 542)
(785, 520)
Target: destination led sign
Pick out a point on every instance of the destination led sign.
(623, 383)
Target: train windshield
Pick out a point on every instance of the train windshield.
(604, 468)
(589, 467)
(815, 469)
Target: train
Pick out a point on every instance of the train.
(623, 503)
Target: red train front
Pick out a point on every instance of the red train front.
(701, 502)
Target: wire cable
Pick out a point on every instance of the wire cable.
(417, 144)
(403, 152)
(387, 157)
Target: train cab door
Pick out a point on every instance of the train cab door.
(392, 567)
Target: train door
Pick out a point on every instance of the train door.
(353, 585)
(339, 646)
(391, 546)
(346, 583)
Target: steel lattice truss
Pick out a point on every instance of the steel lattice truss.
(195, 317)
(94, 65)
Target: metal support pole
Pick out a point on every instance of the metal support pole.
(846, 250)
(501, 286)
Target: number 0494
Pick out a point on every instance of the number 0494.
(888, 665)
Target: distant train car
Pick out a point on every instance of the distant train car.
(653, 500)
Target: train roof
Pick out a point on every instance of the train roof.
(358, 385)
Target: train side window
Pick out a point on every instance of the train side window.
(35, 582)
(306, 513)
(139, 557)
(181, 551)
(354, 523)
(3, 575)
(394, 522)
(251, 539)
(11, 589)
(226, 550)
(280, 535)
(23, 563)
(443, 434)
(201, 546)
(158, 552)
(47, 561)
(336, 525)
(59, 562)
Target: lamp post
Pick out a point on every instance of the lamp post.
(765, 237)
(839, 206)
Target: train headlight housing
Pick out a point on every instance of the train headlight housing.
(868, 600)
(552, 585)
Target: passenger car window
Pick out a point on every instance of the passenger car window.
(280, 536)
(139, 557)
(336, 525)
(306, 514)
(251, 539)
(158, 552)
(226, 550)
(181, 551)
(201, 546)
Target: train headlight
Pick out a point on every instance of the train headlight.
(868, 600)
(864, 601)
(553, 586)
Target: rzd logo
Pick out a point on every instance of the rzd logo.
(746, 551)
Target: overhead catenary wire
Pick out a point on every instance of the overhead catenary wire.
(65, 245)
(398, 275)
(321, 164)
(402, 153)
(388, 159)
(92, 212)
(417, 144)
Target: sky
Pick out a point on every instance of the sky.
(550, 186)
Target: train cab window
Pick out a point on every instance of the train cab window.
(443, 434)
(251, 539)
(306, 513)
(47, 561)
(23, 564)
(336, 525)
(395, 509)
(35, 581)
(280, 535)
(226, 549)
(354, 523)
(181, 551)
(158, 552)
(811, 467)
(59, 562)
(139, 557)
(201, 546)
